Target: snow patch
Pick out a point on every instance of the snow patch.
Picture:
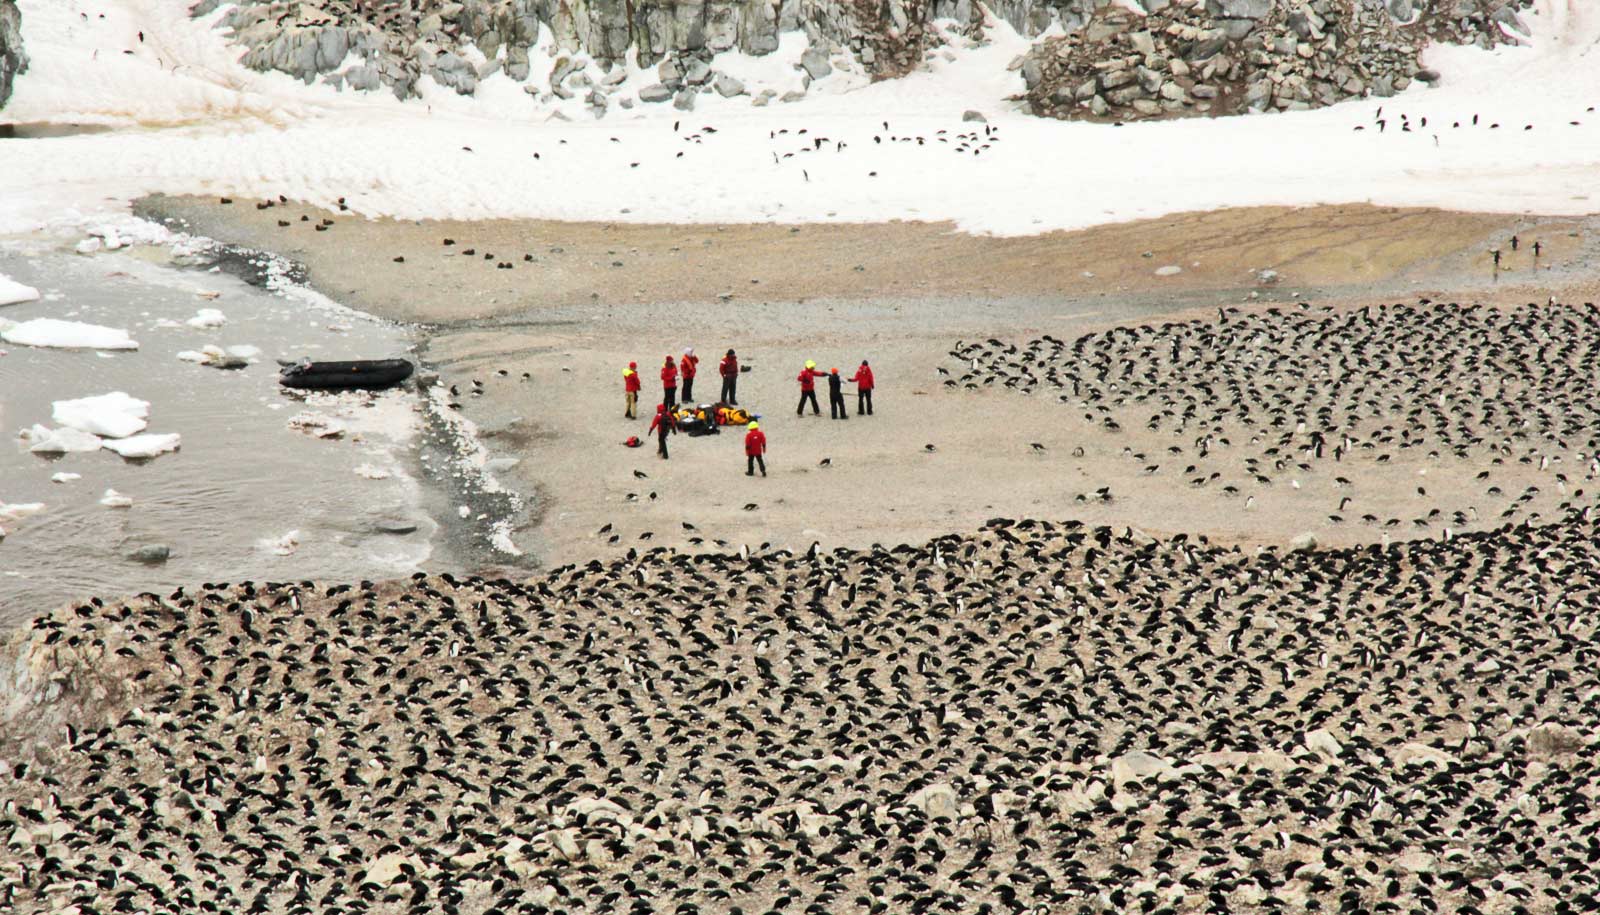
(210, 126)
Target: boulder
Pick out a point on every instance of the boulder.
(815, 62)
(1032, 73)
(1323, 744)
(697, 73)
(1137, 765)
(1550, 740)
(727, 86)
(656, 92)
(387, 869)
(684, 100)
(1420, 754)
(154, 554)
(977, 117)
(936, 800)
(1207, 48)
(1239, 9)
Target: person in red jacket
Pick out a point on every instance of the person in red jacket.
(663, 425)
(669, 382)
(755, 445)
(808, 389)
(863, 380)
(630, 389)
(686, 369)
(729, 368)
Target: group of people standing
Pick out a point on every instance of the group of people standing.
(682, 371)
(862, 379)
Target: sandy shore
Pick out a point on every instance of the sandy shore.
(923, 289)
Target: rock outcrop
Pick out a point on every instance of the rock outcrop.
(1234, 56)
(367, 45)
(1114, 61)
(12, 60)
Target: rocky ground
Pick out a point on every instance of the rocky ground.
(12, 59)
(1235, 56)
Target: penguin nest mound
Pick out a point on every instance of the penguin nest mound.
(1040, 717)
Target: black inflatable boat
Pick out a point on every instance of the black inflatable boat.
(366, 375)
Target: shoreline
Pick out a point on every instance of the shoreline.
(562, 425)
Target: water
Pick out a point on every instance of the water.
(246, 496)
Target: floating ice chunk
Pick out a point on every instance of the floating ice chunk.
(65, 477)
(320, 426)
(244, 351)
(144, 446)
(114, 499)
(114, 415)
(60, 441)
(281, 546)
(13, 292)
(216, 357)
(51, 332)
(372, 473)
(208, 317)
(19, 510)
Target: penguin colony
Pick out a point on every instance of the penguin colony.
(1244, 405)
(1041, 717)
(1036, 718)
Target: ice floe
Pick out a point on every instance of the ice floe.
(58, 334)
(114, 415)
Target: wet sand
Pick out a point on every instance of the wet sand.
(1322, 250)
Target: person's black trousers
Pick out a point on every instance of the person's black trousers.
(805, 396)
(670, 396)
(661, 449)
(864, 401)
(750, 463)
(729, 395)
(837, 408)
(688, 390)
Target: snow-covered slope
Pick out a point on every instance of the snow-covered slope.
(193, 120)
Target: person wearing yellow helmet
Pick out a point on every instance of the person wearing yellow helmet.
(808, 389)
(755, 446)
(630, 389)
